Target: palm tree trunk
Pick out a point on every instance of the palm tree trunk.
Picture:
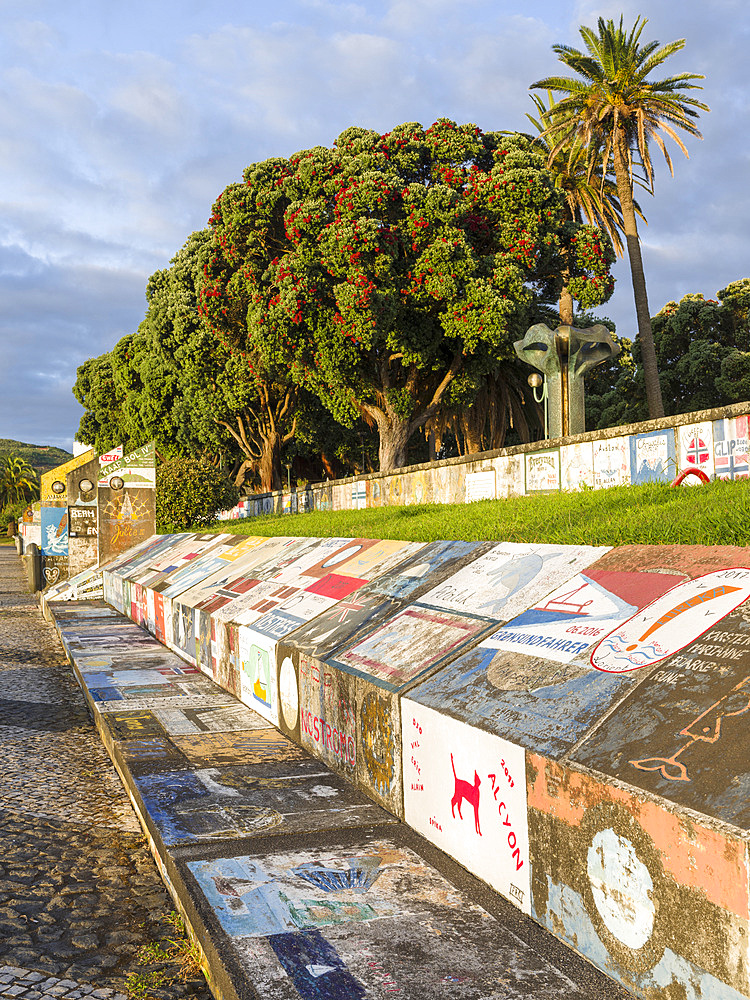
(648, 352)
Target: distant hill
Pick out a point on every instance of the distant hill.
(40, 457)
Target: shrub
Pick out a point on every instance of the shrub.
(190, 491)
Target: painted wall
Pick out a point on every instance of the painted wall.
(569, 723)
(54, 520)
(127, 515)
(715, 441)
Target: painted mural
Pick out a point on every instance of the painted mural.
(542, 471)
(465, 791)
(611, 462)
(696, 447)
(652, 457)
(731, 446)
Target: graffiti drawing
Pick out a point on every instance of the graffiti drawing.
(377, 740)
(706, 728)
(465, 790)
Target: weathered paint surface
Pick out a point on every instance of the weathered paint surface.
(611, 462)
(684, 733)
(543, 471)
(465, 791)
(577, 465)
(346, 923)
(655, 897)
(532, 681)
(696, 447)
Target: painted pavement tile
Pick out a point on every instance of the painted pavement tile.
(316, 553)
(627, 881)
(258, 597)
(611, 462)
(534, 681)
(652, 457)
(424, 569)
(157, 564)
(257, 746)
(577, 465)
(160, 661)
(696, 448)
(166, 706)
(684, 732)
(465, 791)
(245, 801)
(381, 557)
(731, 446)
(346, 925)
(133, 724)
(408, 644)
(151, 754)
(509, 578)
(542, 471)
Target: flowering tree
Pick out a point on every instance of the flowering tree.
(378, 272)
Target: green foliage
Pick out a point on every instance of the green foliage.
(650, 514)
(41, 458)
(703, 355)
(18, 481)
(191, 491)
(372, 273)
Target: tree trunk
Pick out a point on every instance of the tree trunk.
(270, 463)
(565, 307)
(394, 438)
(471, 424)
(648, 351)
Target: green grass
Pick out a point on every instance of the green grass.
(653, 514)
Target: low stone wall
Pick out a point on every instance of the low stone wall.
(570, 723)
(714, 441)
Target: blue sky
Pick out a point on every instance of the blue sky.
(120, 123)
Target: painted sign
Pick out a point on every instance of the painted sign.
(671, 622)
(731, 446)
(465, 791)
(697, 448)
(82, 522)
(480, 486)
(138, 469)
(652, 457)
(611, 462)
(543, 471)
(577, 461)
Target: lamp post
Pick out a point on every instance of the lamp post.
(535, 381)
(288, 477)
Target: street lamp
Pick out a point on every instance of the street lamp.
(535, 380)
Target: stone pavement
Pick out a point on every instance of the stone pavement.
(80, 896)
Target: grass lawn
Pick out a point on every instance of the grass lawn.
(654, 514)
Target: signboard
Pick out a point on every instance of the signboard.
(82, 522)
(136, 469)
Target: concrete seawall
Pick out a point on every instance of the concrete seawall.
(568, 723)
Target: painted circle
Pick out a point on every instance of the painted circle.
(288, 693)
(622, 888)
(117, 483)
(347, 553)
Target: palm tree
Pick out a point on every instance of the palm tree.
(589, 195)
(17, 480)
(615, 111)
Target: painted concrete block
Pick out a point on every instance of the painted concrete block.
(465, 791)
(327, 713)
(532, 680)
(611, 462)
(509, 577)
(653, 457)
(409, 644)
(684, 732)
(511, 476)
(731, 446)
(653, 896)
(577, 465)
(696, 447)
(542, 471)
(346, 922)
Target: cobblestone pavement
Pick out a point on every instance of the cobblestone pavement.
(82, 906)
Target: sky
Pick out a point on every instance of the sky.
(122, 120)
